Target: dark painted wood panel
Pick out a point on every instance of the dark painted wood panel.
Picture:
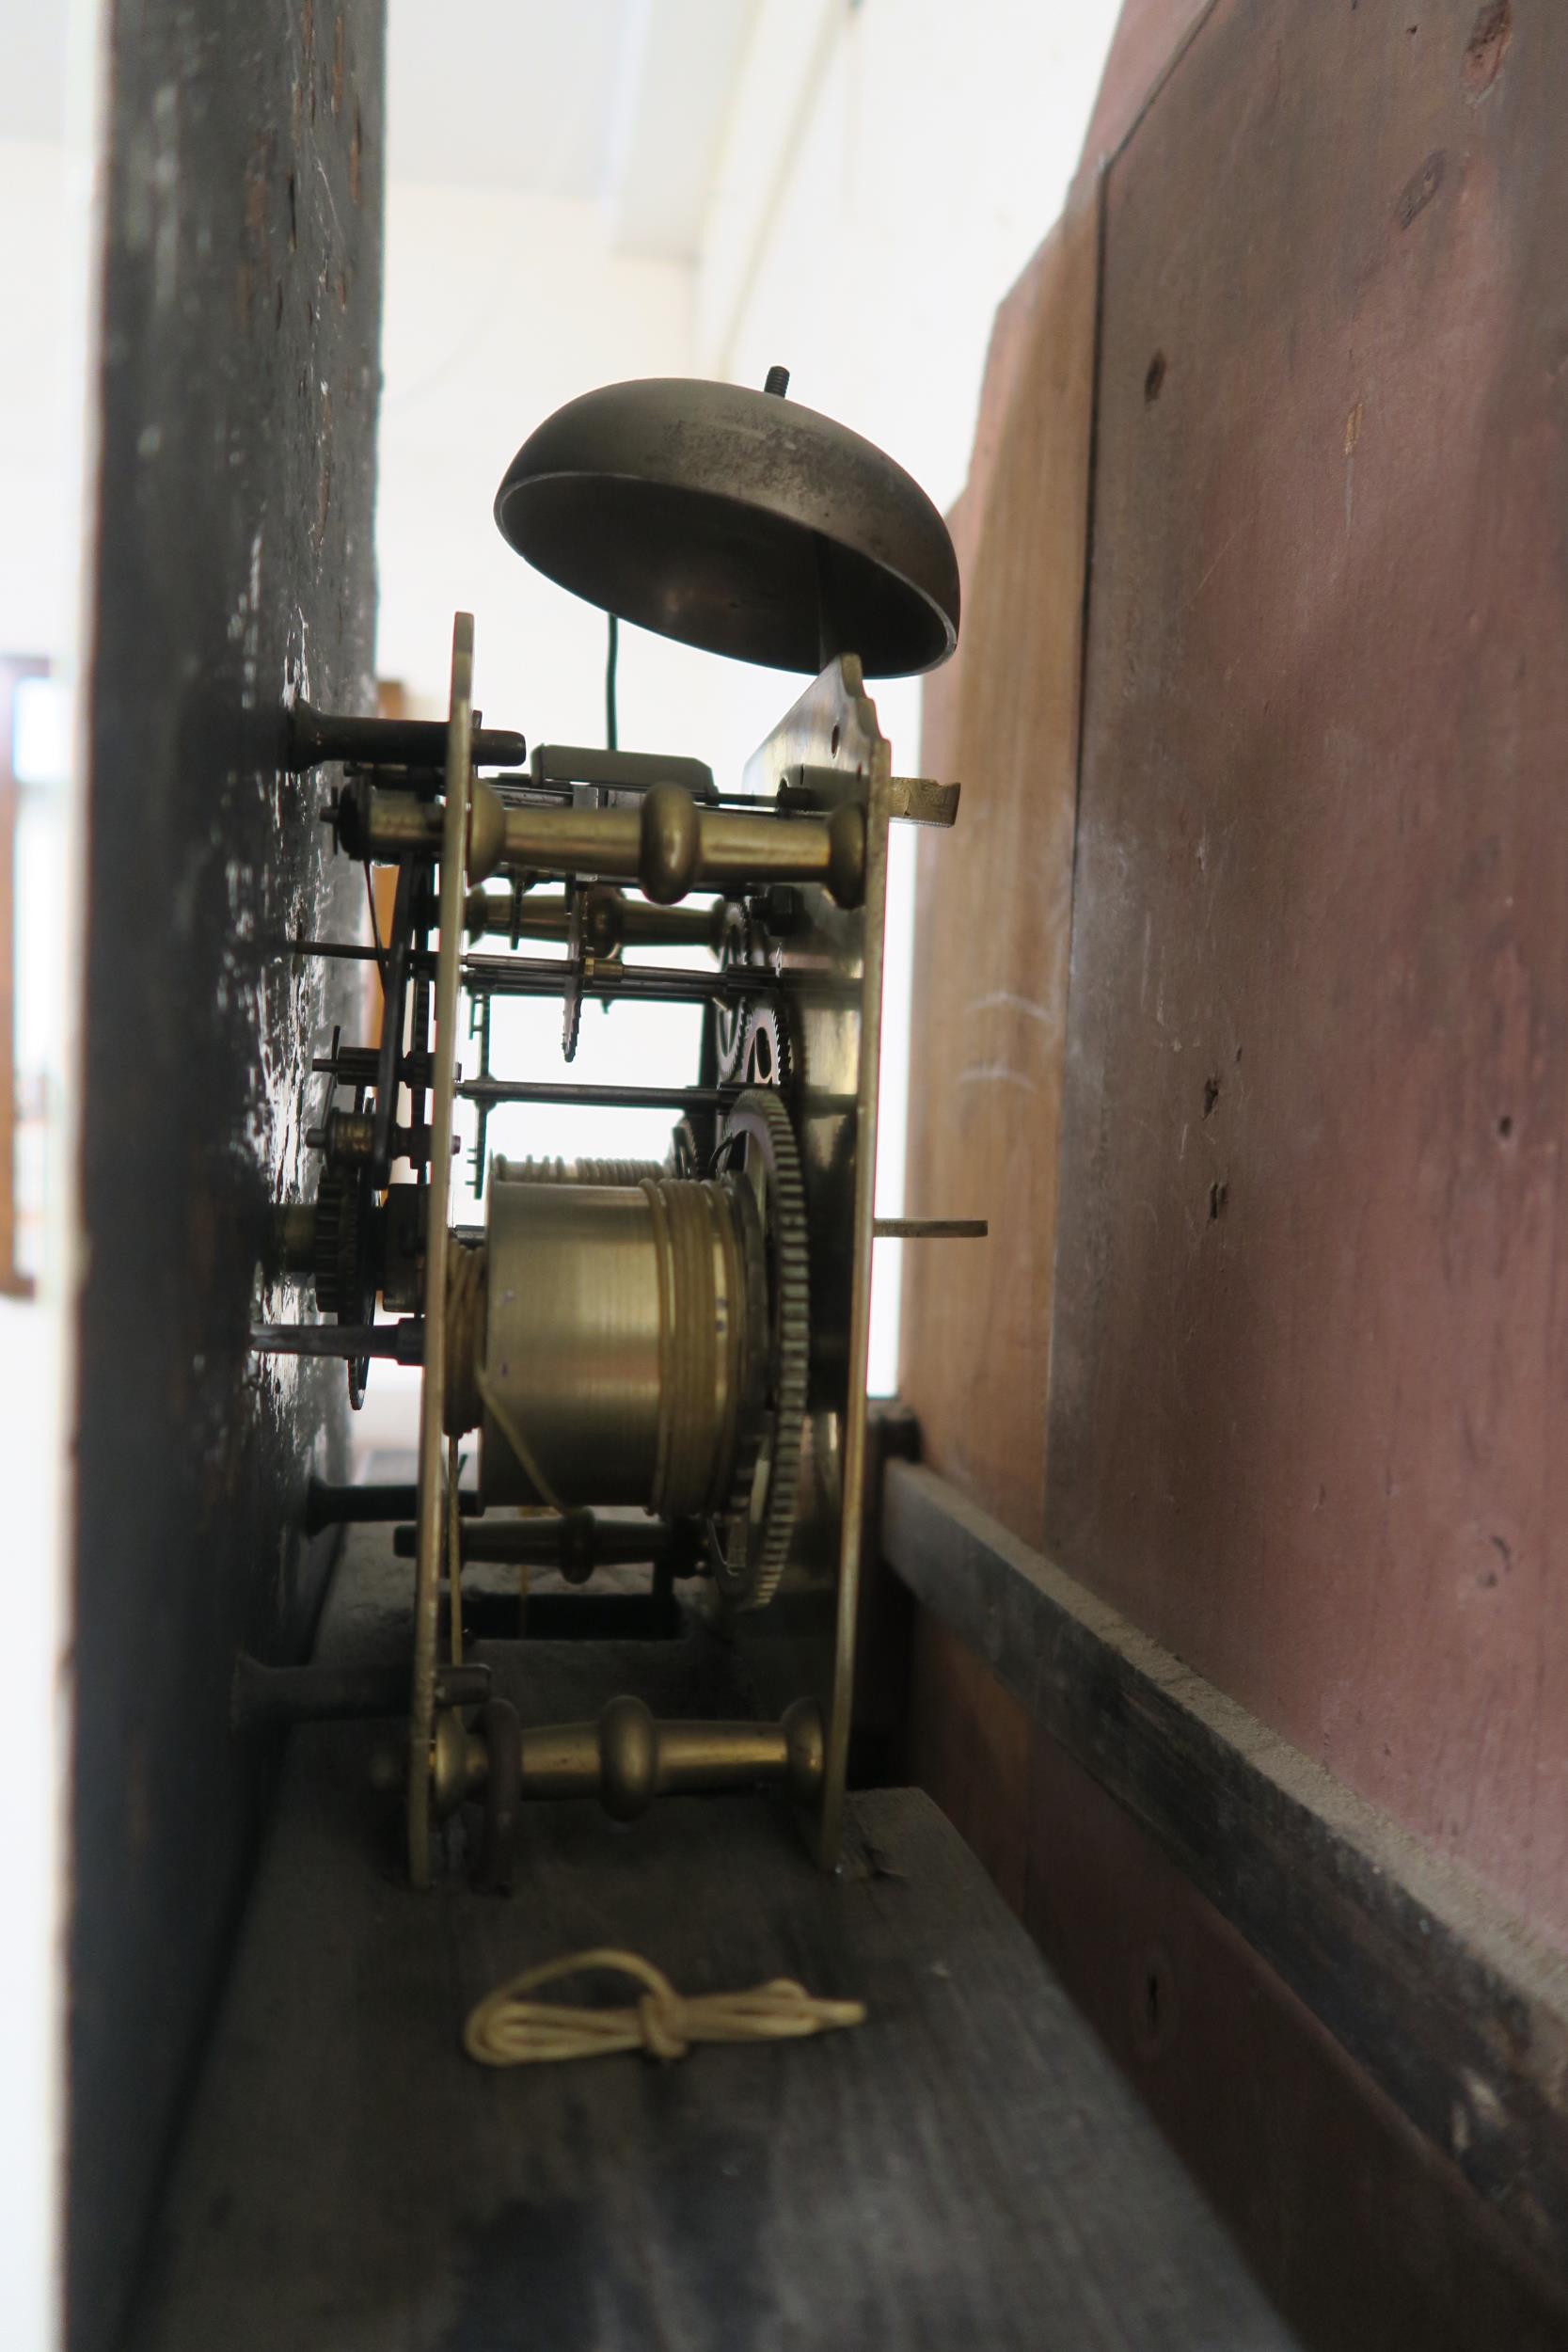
(1365, 2238)
(969, 1743)
(239, 315)
(994, 895)
(1453, 2008)
(966, 2169)
(1309, 1386)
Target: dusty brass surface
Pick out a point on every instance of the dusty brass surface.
(670, 846)
(921, 801)
(626, 1758)
(430, 1517)
(458, 1763)
(825, 756)
(736, 520)
(749, 1543)
(930, 1229)
(609, 919)
(466, 1301)
(392, 824)
(548, 1172)
(295, 1242)
(620, 1342)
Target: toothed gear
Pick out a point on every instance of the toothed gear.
(737, 946)
(766, 1060)
(345, 1284)
(685, 1157)
(749, 1548)
(337, 1236)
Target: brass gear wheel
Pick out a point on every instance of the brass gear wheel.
(748, 1544)
(344, 1262)
(766, 1059)
(737, 946)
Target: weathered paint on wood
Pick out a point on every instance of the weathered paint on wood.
(1309, 1384)
(1456, 2011)
(968, 2167)
(1367, 2238)
(237, 393)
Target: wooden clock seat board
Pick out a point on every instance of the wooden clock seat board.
(966, 2169)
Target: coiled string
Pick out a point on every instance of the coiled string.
(509, 2029)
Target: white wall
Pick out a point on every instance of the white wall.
(498, 306)
(40, 397)
(890, 168)
(47, 256)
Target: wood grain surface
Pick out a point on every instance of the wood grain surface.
(231, 565)
(1310, 1380)
(967, 2168)
(994, 897)
(1366, 2237)
(1458, 2013)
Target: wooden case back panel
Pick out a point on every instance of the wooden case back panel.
(1309, 1387)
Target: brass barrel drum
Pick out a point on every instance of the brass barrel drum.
(625, 1343)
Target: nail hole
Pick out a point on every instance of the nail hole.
(833, 743)
(1505, 1126)
(1154, 378)
(1211, 1094)
(1154, 2002)
(1218, 1195)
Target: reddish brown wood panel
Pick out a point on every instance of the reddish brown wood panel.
(970, 1742)
(994, 899)
(1309, 1385)
(1146, 43)
(1363, 2235)
(1367, 2239)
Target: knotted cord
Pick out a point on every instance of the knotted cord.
(509, 2029)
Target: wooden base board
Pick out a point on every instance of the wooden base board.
(1367, 2239)
(966, 2169)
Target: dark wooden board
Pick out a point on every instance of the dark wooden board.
(1308, 1417)
(968, 2168)
(232, 562)
(1458, 2013)
(1361, 2230)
